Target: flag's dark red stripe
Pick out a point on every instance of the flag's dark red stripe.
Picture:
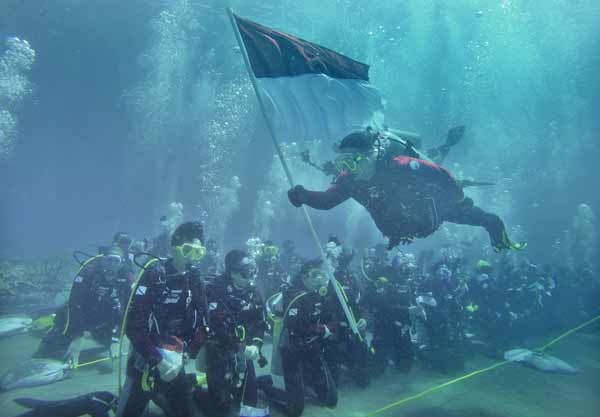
(277, 54)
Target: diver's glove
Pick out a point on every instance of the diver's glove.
(251, 352)
(167, 370)
(296, 195)
(74, 350)
(113, 349)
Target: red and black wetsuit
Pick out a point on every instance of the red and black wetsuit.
(407, 198)
(167, 308)
(236, 320)
(302, 350)
(166, 304)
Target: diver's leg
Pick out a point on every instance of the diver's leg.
(292, 398)
(465, 212)
(178, 396)
(333, 355)
(134, 399)
(293, 379)
(249, 394)
(358, 362)
(56, 341)
(403, 348)
(379, 344)
(219, 385)
(325, 385)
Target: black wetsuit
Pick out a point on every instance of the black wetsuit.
(167, 308)
(445, 325)
(346, 349)
(389, 302)
(236, 320)
(302, 350)
(96, 303)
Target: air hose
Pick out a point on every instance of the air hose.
(134, 288)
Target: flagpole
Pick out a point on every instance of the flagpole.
(288, 173)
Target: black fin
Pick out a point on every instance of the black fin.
(32, 402)
(455, 135)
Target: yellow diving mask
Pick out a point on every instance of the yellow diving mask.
(270, 250)
(349, 162)
(190, 252)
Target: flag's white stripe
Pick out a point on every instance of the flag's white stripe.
(316, 106)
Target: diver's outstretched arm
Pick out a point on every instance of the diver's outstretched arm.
(320, 200)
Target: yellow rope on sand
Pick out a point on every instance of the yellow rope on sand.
(81, 365)
(478, 372)
(565, 334)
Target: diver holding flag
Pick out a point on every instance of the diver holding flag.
(282, 67)
(407, 197)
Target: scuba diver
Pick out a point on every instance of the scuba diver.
(210, 265)
(290, 261)
(96, 304)
(308, 323)
(389, 298)
(166, 320)
(161, 243)
(237, 324)
(407, 197)
(486, 308)
(271, 276)
(346, 350)
(440, 297)
(374, 261)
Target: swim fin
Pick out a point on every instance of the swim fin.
(506, 243)
(95, 404)
(455, 135)
(32, 402)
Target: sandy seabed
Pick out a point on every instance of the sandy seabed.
(508, 391)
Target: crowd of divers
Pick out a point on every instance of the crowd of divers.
(435, 310)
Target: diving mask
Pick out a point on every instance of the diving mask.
(315, 279)
(189, 253)
(349, 162)
(112, 262)
(270, 250)
(245, 275)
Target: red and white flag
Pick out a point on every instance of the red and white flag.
(310, 92)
